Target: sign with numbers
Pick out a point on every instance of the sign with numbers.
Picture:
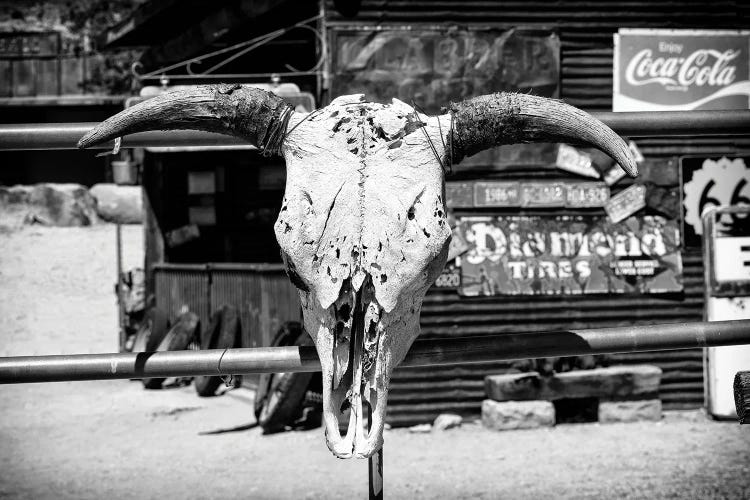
(713, 182)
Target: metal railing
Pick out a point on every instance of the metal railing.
(423, 353)
(14, 137)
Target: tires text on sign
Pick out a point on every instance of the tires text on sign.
(570, 255)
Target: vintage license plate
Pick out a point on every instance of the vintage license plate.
(542, 194)
(626, 203)
(459, 195)
(577, 162)
(586, 195)
(497, 194)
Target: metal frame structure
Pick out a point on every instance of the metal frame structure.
(26, 369)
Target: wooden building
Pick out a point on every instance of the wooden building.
(398, 48)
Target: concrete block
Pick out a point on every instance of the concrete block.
(629, 411)
(446, 421)
(623, 382)
(121, 204)
(511, 415)
(49, 204)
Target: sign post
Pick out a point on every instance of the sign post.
(726, 257)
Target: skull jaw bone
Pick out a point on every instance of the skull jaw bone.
(357, 362)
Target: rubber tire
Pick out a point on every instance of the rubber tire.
(224, 335)
(151, 331)
(279, 398)
(177, 339)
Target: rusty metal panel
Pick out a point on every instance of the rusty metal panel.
(263, 295)
(261, 292)
(281, 303)
(241, 290)
(179, 286)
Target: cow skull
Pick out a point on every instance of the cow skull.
(363, 228)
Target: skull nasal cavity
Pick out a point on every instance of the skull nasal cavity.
(344, 312)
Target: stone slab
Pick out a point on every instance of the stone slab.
(446, 421)
(623, 382)
(49, 204)
(629, 411)
(509, 415)
(121, 204)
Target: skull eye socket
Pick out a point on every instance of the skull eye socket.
(291, 271)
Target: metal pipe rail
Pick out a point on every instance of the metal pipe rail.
(25, 369)
(34, 136)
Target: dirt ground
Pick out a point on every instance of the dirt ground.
(112, 439)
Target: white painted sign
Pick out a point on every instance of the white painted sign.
(732, 259)
(675, 70)
(729, 264)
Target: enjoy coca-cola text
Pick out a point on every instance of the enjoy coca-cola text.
(702, 67)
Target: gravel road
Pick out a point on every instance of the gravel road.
(115, 440)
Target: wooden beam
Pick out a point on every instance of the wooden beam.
(153, 20)
(197, 38)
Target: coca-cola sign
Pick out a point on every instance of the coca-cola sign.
(672, 70)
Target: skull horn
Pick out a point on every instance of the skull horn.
(508, 118)
(247, 112)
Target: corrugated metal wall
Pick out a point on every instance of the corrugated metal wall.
(261, 292)
(585, 29)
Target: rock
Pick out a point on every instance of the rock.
(613, 383)
(514, 386)
(629, 411)
(510, 415)
(121, 204)
(446, 421)
(49, 204)
(420, 428)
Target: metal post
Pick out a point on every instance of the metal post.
(663, 337)
(121, 338)
(374, 468)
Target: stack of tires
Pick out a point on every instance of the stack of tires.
(283, 400)
(289, 400)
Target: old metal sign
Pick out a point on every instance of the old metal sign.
(586, 195)
(504, 194)
(626, 202)
(714, 182)
(613, 175)
(543, 194)
(577, 162)
(434, 65)
(672, 70)
(459, 194)
(497, 194)
(450, 277)
(518, 255)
